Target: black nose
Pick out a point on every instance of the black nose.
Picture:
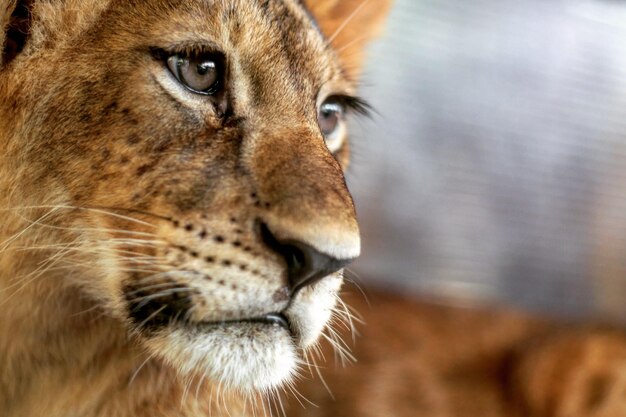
(305, 264)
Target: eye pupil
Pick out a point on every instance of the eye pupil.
(327, 113)
(204, 67)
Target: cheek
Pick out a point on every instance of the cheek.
(127, 159)
(174, 173)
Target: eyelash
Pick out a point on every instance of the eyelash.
(354, 104)
(194, 50)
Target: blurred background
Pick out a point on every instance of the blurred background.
(495, 170)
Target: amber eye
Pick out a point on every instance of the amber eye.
(331, 122)
(202, 75)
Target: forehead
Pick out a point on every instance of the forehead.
(274, 33)
(228, 21)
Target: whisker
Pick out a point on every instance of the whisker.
(72, 264)
(43, 268)
(354, 41)
(132, 378)
(291, 386)
(86, 311)
(101, 250)
(340, 348)
(353, 280)
(146, 299)
(348, 20)
(159, 274)
(199, 385)
(103, 210)
(90, 229)
(151, 316)
(316, 348)
(324, 383)
(100, 210)
(153, 287)
(32, 224)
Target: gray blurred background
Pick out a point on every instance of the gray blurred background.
(496, 168)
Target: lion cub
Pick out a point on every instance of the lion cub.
(175, 222)
(175, 218)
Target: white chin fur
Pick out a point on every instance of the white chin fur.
(311, 314)
(250, 357)
(243, 357)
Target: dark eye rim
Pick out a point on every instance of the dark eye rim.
(220, 61)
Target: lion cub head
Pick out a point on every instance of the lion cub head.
(183, 164)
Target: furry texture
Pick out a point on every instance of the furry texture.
(135, 264)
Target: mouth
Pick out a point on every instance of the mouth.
(254, 352)
(278, 320)
(251, 354)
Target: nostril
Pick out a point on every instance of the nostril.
(305, 264)
(295, 258)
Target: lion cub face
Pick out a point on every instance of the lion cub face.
(192, 152)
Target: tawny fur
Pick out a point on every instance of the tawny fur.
(108, 168)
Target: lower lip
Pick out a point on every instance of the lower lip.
(274, 320)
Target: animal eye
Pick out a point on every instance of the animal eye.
(331, 122)
(202, 74)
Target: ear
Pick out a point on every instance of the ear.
(15, 21)
(349, 25)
